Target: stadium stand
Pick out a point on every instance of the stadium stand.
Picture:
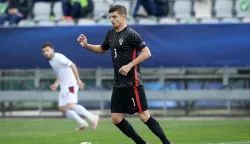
(66, 23)
(41, 11)
(84, 22)
(223, 8)
(188, 21)
(242, 8)
(181, 11)
(246, 20)
(203, 9)
(46, 23)
(230, 20)
(26, 23)
(209, 21)
(58, 10)
(147, 21)
(167, 21)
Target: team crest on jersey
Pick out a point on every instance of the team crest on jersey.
(120, 41)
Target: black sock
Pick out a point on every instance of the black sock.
(155, 127)
(129, 131)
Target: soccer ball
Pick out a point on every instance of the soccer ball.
(85, 143)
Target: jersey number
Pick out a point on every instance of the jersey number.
(115, 53)
(133, 101)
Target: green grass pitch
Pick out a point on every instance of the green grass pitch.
(61, 131)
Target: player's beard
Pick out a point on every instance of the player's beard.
(49, 57)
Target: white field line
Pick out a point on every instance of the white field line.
(248, 142)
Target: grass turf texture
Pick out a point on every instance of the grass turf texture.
(61, 131)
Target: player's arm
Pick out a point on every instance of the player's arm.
(54, 86)
(140, 45)
(94, 48)
(145, 54)
(76, 73)
(57, 81)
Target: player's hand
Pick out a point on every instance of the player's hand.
(82, 40)
(54, 87)
(125, 69)
(81, 84)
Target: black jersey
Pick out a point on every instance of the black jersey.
(125, 46)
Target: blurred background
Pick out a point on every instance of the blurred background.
(199, 65)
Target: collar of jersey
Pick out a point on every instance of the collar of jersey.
(123, 29)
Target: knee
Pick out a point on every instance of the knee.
(117, 118)
(144, 116)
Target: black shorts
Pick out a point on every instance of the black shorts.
(128, 100)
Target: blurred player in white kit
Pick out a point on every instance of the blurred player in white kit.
(70, 82)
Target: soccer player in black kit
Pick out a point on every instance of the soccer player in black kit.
(128, 93)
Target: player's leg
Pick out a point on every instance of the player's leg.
(142, 106)
(70, 114)
(72, 101)
(154, 126)
(79, 109)
(117, 110)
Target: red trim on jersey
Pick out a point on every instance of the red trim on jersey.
(137, 99)
(135, 69)
(71, 89)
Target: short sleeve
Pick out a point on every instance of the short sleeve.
(105, 44)
(63, 60)
(137, 41)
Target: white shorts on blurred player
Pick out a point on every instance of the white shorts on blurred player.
(68, 95)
